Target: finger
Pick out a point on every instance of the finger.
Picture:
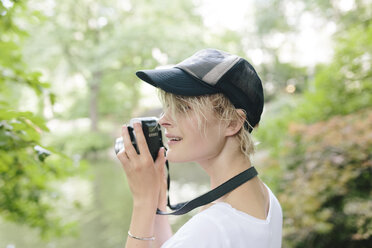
(123, 157)
(160, 161)
(128, 147)
(162, 202)
(141, 140)
(160, 166)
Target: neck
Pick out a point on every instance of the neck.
(227, 164)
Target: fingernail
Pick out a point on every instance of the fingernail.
(137, 123)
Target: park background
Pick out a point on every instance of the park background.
(67, 84)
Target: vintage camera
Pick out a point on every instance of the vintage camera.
(152, 132)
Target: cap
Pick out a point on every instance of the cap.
(212, 71)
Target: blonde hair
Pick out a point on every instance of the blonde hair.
(221, 106)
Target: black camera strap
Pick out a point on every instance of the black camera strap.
(226, 187)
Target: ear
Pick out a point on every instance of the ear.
(234, 126)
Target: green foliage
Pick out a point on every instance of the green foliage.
(274, 124)
(339, 88)
(274, 24)
(103, 43)
(26, 171)
(102, 218)
(26, 167)
(326, 189)
(345, 85)
(279, 75)
(274, 19)
(320, 142)
(84, 144)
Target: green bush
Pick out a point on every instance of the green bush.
(326, 187)
(27, 168)
(26, 171)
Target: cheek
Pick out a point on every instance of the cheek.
(196, 145)
(203, 147)
(187, 150)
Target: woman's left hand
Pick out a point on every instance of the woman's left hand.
(144, 176)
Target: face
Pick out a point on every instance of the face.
(187, 143)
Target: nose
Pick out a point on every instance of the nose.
(164, 120)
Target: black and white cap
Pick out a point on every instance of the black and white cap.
(212, 71)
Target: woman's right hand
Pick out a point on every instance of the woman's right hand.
(145, 177)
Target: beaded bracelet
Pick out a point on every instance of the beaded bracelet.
(141, 238)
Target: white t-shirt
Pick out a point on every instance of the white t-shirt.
(221, 226)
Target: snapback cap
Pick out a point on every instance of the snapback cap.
(212, 71)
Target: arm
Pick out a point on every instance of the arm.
(162, 230)
(142, 225)
(162, 227)
(144, 178)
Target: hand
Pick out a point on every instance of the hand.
(143, 174)
(163, 200)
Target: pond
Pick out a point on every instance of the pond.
(103, 218)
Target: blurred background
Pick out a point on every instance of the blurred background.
(67, 84)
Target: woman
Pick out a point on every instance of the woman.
(212, 102)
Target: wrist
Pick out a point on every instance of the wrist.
(143, 218)
(150, 238)
(162, 206)
(144, 204)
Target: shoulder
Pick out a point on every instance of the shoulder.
(275, 207)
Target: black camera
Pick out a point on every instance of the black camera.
(152, 132)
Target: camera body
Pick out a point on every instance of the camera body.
(152, 132)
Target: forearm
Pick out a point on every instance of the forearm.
(142, 225)
(162, 229)
(144, 177)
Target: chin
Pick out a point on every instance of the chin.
(176, 158)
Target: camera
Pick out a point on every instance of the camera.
(152, 132)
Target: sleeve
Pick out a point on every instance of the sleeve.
(200, 231)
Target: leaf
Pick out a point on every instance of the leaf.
(42, 153)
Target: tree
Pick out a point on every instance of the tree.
(105, 42)
(275, 28)
(345, 85)
(321, 145)
(326, 184)
(26, 166)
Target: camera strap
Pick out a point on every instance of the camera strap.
(226, 187)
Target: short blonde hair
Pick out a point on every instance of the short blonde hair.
(220, 105)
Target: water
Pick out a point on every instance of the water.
(106, 204)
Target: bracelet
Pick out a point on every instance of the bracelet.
(141, 238)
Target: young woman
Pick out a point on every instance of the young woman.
(212, 102)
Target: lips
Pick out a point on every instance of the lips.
(172, 139)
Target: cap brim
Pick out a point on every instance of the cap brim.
(176, 81)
